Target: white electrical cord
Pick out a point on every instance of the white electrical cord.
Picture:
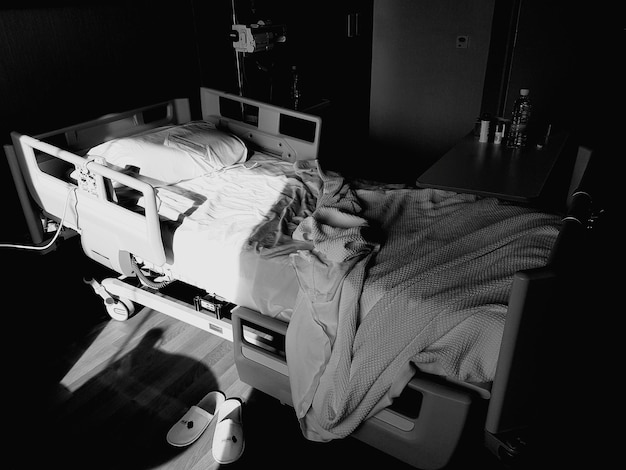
(56, 235)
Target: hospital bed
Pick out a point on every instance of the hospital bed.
(403, 317)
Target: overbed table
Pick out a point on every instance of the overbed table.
(494, 170)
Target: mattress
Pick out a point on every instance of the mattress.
(224, 231)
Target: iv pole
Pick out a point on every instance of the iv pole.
(238, 56)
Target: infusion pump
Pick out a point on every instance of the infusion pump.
(257, 37)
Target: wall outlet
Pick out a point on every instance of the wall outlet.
(462, 42)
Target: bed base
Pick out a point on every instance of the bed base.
(429, 409)
(121, 291)
(428, 432)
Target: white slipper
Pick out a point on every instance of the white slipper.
(196, 420)
(228, 439)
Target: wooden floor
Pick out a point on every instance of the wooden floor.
(82, 391)
(123, 384)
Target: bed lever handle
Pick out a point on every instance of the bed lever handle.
(100, 290)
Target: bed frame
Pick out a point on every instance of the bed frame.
(433, 417)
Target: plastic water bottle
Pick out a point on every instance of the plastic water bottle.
(518, 133)
(295, 88)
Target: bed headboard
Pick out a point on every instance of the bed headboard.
(289, 134)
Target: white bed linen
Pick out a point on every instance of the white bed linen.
(400, 279)
(223, 223)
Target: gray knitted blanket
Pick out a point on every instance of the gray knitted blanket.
(398, 279)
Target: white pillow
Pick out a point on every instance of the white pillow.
(214, 147)
(169, 163)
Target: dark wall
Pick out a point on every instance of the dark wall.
(426, 92)
(568, 54)
(66, 64)
(562, 53)
(213, 46)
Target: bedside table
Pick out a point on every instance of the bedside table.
(494, 170)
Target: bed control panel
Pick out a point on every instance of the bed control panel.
(92, 183)
(213, 305)
(88, 181)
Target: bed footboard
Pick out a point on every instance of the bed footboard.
(539, 302)
(422, 428)
(425, 425)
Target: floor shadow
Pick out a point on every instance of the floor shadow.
(117, 419)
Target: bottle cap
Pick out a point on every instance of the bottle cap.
(524, 91)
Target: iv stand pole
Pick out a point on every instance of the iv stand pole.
(238, 56)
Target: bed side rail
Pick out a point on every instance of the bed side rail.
(81, 137)
(109, 232)
(288, 134)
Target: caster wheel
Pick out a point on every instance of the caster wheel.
(120, 309)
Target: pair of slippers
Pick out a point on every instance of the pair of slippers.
(228, 438)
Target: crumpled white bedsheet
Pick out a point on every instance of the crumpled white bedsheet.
(394, 279)
(223, 231)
